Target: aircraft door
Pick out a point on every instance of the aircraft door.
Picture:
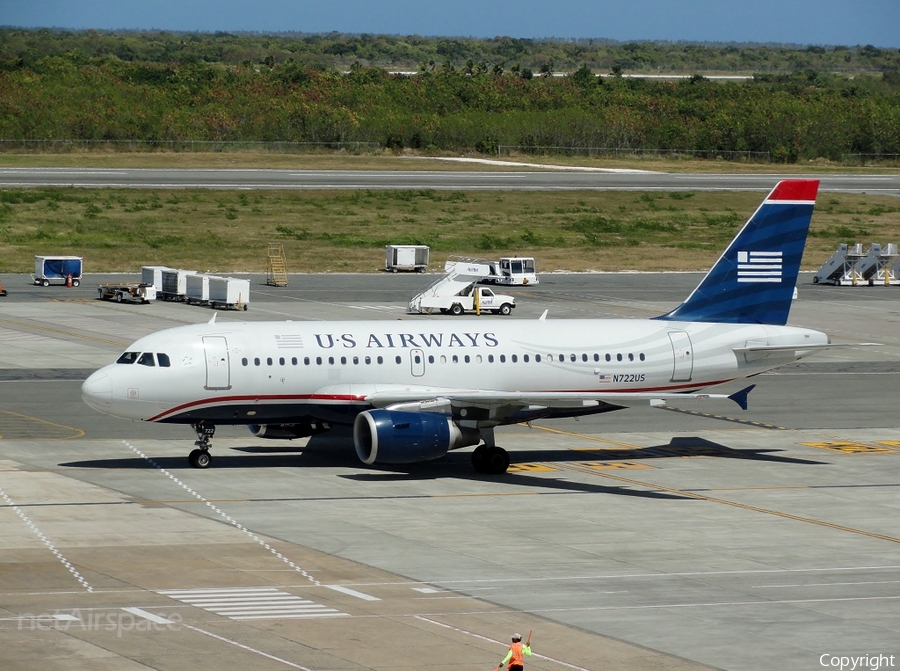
(218, 371)
(683, 353)
(417, 362)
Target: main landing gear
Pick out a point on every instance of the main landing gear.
(200, 457)
(487, 457)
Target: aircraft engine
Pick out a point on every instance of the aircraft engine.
(287, 431)
(392, 437)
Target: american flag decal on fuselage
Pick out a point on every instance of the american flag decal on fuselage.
(759, 266)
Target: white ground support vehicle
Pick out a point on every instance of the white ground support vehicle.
(406, 257)
(127, 292)
(473, 298)
(514, 270)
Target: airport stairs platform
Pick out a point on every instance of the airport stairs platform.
(849, 266)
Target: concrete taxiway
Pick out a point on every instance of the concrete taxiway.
(669, 538)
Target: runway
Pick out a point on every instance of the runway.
(674, 538)
(531, 180)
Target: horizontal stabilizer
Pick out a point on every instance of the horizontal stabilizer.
(740, 397)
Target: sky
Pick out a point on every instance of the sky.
(820, 22)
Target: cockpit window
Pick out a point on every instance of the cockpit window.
(163, 359)
(147, 359)
(128, 357)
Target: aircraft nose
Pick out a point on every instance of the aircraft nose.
(97, 391)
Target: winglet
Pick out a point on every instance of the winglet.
(740, 397)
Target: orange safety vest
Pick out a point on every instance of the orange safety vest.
(517, 657)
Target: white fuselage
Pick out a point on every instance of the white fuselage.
(243, 373)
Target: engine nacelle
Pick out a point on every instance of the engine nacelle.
(392, 437)
(287, 431)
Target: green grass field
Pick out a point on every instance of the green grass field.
(119, 230)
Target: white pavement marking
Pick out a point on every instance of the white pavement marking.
(542, 166)
(494, 640)
(46, 541)
(222, 514)
(148, 616)
(352, 592)
(246, 647)
(251, 603)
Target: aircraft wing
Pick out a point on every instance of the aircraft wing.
(413, 400)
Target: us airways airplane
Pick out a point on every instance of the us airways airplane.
(414, 390)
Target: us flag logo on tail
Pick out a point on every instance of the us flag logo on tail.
(759, 266)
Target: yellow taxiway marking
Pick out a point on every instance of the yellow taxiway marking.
(693, 495)
(851, 447)
(561, 432)
(77, 433)
(35, 327)
(744, 506)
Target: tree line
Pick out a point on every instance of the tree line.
(455, 104)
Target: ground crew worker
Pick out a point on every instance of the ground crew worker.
(516, 655)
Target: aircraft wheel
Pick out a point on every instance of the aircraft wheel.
(478, 458)
(496, 461)
(199, 458)
(490, 460)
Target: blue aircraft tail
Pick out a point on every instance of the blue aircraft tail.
(753, 281)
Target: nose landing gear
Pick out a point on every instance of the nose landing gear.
(200, 456)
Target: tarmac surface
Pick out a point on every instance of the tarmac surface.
(659, 538)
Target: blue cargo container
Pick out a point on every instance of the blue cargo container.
(57, 269)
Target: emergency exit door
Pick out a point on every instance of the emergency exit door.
(683, 355)
(218, 370)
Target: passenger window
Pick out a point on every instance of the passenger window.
(573, 357)
(269, 361)
(537, 357)
(490, 358)
(514, 358)
(502, 358)
(398, 359)
(256, 361)
(584, 357)
(455, 359)
(293, 361)
(244, 361)
(642, 356)
(146, 359)
(281, 361)
(128, 357)
(163, 359)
